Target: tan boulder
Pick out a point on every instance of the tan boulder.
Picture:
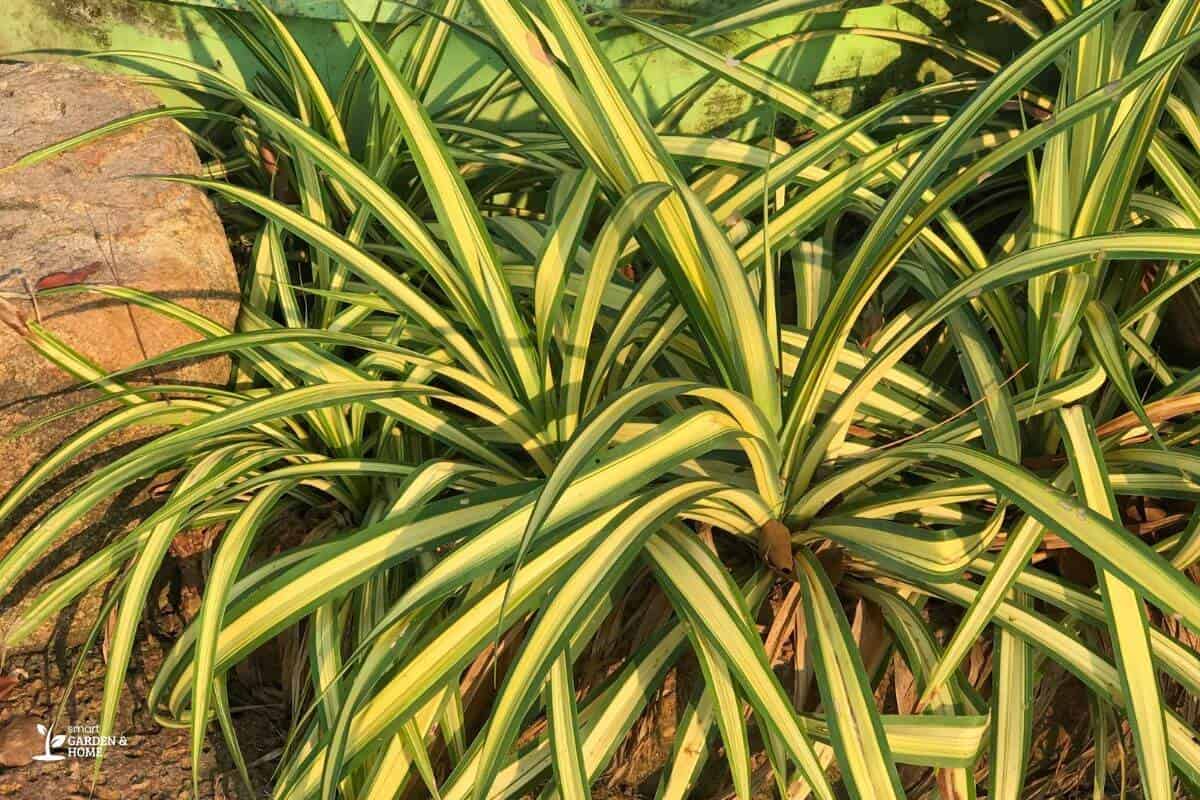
(83, 217)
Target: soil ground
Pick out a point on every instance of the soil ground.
(155, 763)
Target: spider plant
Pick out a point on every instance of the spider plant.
(605, 412)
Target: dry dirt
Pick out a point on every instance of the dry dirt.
(155, 762)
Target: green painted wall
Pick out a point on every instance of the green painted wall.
(844, 71)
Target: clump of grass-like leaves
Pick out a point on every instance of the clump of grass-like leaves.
(612, 406)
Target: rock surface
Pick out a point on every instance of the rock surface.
(20, 741)
(82, 218)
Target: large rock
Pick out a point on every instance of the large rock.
(81, 217)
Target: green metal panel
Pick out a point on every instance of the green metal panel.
(846, 71)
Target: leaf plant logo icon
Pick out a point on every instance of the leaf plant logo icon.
(51, 743)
